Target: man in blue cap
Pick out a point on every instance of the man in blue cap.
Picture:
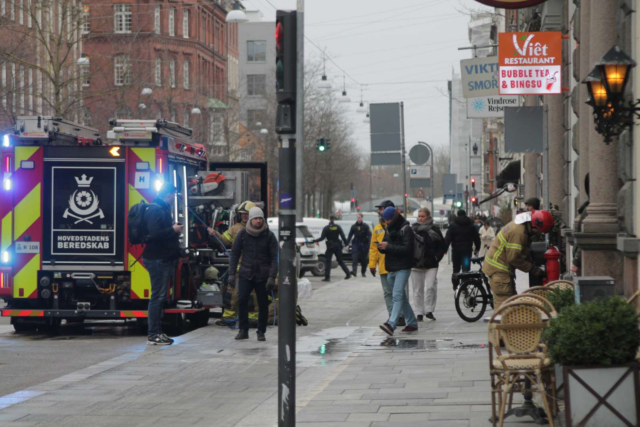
(397, 245)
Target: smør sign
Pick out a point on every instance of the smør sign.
(530, 63)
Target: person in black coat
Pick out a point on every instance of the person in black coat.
(462, 235)
(398, 247)
(361, 235)
(160, 256)
(258, 248)
(334, 234)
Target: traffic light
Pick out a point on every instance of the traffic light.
(353, 204)
(286, 71)
(358, 208)
(321, 145)
(474, 201)
(458, 203)
(406, 195)
(473, 183)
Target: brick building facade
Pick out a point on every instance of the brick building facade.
(179, 50)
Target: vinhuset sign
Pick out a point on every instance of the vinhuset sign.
(530, 63)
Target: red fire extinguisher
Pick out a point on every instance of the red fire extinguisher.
(552, 255)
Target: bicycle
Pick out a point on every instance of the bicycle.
(473, 294)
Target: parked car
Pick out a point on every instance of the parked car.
(308, 251)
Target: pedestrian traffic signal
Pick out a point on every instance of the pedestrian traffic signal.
(458, 203)
(474, 200)
(473, 183)
(406, 195)
(358, 208)
(286, 71)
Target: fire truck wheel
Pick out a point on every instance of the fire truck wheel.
(142, 325)
(174, 323)
(52, 326)
(21, 326)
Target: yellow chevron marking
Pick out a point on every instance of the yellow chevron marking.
(27, 211)
(140, 279)
(6, 231)
(147, 155)
(23, 153)
(27, 278)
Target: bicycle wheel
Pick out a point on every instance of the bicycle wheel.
(471, 301)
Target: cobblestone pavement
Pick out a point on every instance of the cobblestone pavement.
(349, 374)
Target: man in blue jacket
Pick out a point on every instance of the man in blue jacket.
(160, 258)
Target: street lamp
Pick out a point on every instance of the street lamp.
(367, 119)
(324, 83)
(263, 131)
(142, 106)
(344, 98)
(237, 15)
(196, 110)
(606, 85)
(147, 91)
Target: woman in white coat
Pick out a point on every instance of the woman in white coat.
(486, 238)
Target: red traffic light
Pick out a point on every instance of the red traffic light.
(358, 208)
(279, 36)
(406, 195)
(353, 200)
(474, 200)
(473, 180)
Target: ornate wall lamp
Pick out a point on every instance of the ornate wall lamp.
(606, 84)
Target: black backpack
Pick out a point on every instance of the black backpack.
(137, 225)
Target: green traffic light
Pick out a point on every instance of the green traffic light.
(321, 148)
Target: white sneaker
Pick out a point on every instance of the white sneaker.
(159, 339)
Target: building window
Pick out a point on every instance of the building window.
(85, 78)
(186, 117)
(218, 150)
(29, 12)
(156, 17)
(122, 70)
(13, 9)
(173, 116)
(254, 117)
(21, 89)
(185, 74)
(20, 11)
(172, 21)
(216, 134)
(86, 19)
(172, 73)
(185, 24)
(14, 88)
(3, 8)
(158, 71)
(257, 51)
(256, 84)
(4, 82)
(122, 18)
(31, 90)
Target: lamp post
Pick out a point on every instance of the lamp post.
(606, 85)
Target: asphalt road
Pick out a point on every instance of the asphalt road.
(32, 358)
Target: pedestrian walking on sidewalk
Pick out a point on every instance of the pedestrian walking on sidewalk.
(462, 235)
(397, 245)
(487, 234)
(376, 259)
(359, 237)
(334, 234)
(257, 246)
(160, 257)
(429, 245)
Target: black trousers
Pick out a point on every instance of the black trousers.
(360, 254)
(245, 286)
(461, 261)
(328, 257)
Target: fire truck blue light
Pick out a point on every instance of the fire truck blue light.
(6, 141)
(7, 184)
(5, 257)
(158, 184)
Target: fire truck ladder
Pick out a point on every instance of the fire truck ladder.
(48, 130)
(160, 126)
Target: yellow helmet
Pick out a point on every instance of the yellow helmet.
(246, 206)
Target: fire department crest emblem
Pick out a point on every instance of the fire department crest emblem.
(84, 204)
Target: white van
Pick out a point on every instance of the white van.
(308, 251)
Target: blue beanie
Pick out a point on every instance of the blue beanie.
(389, 213)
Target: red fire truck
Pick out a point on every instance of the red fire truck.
(64, 251)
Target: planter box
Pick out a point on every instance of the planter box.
(598, 396)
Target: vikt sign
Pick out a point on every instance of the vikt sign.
(530, 63)
(479, 77)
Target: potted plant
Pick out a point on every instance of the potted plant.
(561, 298)
(596, 343)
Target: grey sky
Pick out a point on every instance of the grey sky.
(378, 41)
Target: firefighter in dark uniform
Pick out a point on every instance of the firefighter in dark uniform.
(361, 235)
(333, 233)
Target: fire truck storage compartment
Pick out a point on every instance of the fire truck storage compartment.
(85, 224)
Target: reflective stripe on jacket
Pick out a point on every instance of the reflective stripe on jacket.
(375, 257)
(509, 251)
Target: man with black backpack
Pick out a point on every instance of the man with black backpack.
(160, 257)
(428, 252)
(462, 235)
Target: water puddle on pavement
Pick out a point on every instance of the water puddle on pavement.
(428, 345)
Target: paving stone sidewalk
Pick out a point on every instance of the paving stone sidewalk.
(349, 374)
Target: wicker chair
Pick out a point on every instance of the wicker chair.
(539, 290)
(534, 299)
(560, 284)
(520, 328)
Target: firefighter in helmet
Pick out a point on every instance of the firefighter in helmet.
(510, 250)
(229, 236)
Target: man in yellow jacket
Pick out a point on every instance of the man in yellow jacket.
(510, 250)
(376, 259)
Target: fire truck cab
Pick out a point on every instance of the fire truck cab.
(64, 249)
